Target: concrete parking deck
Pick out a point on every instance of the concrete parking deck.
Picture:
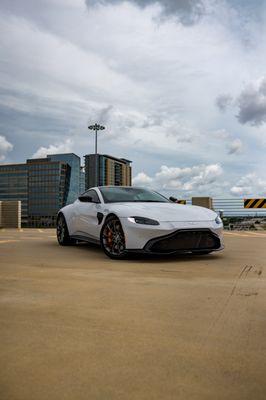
(76, 325)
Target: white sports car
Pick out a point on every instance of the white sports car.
(132, 219)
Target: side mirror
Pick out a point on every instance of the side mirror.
(173, 199)
(85, 199)
(221, 213)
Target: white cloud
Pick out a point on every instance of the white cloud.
(194, 179)
(64, 147)
(223, 101)
(147, 132)
(5, 147)
(152, 81)
(235, 147)
(221, 134)
(252, 103)
(249, 185)
(187, 11)
(141, 179)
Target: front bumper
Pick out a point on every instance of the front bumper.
(184, 241)
(173, 237)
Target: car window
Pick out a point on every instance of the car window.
(130, 194)
(92, 193)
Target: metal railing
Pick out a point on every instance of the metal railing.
(235, 208)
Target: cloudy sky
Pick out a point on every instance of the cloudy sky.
(179, 84)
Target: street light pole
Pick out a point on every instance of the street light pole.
(96, 128)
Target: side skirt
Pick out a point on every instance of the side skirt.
(81, 238)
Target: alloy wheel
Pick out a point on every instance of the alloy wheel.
(113, 238)
(61, 229)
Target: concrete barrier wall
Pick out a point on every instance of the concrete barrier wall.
(202, 202)
(10, 214)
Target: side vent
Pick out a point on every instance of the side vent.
(100, 217)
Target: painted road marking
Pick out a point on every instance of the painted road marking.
(31, 238)
(8, 241)
(235, 233)
(238, 234)
(258, 233)
(246, 234)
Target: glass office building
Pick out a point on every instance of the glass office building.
(48, 189)
(74, 162)
(14, 186)
(43, 186)
(105, 170)
(47, 184)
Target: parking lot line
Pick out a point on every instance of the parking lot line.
(257, 233)
(9, 241)
(245, 234)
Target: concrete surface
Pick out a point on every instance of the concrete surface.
(75, 325)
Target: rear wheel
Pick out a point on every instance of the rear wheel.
(113, 239)
(62, 232)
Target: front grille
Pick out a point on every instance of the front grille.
(184, 240)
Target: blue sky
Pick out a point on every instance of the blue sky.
(179, 84)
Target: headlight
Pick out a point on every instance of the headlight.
(218, 220)
(143, 221)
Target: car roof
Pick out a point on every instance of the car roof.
(117, 187)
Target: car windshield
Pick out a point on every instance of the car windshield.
(130, 194)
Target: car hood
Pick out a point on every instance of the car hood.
(162, 212)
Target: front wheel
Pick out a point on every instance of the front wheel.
(62, 232)
(113, 239)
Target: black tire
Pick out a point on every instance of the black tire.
(62, 233)
(113, 239)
